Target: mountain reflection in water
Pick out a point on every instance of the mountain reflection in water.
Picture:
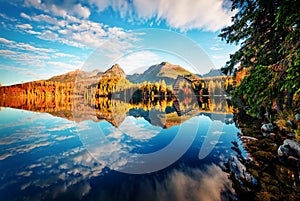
(43, 158)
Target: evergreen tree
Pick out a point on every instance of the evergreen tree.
(268, 31)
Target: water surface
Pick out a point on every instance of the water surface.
(47, 157)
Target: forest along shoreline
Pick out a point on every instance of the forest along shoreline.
(270, 137)
(82, 91)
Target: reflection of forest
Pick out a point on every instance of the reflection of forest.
(113, 99)
(166, 111)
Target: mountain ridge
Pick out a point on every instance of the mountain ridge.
(213, 73)
(163, 71)
(72, 76)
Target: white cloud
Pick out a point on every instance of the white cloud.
(215, 48)
(101, 5)
(25, 173)
(217, 56)
(59, 54)
(7, 18)
(3, 40)
(11, 68)
(195, 184)
(24, 58)
(64, 65)
(61, 127)
(91, 34)
(60, 65)
(81, 10)
(72, 19)
(71, 30)
(57, 11)
(218, 132)
(24, 26)
(25, 54)
(64, 137)
(180, 14)
(29, 59)
(33, 32)
(48, 19)
(116, 32)
(139, 131)
(25, 46)
(70, 43)
(63, 31)
(29, 147)
(24, 15)
(35, 3)
(138, 62)
(74, 31)
(63, 9)
(48, 35)
(5, 155)
(88, 38)
(7, 52)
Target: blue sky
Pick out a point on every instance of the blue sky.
(42, 38)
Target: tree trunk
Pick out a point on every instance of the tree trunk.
(289, 100)
(280, 101)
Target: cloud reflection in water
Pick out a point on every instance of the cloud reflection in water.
(50, 163)
(187, 184)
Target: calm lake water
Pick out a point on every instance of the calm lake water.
(45, 157)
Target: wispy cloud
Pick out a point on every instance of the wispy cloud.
(11, 68)
(24, 46)
(33, 32)
(215, 48)
(47, 19)
(28, 47)
(24, 54)
(5, 155)
(181, 14)
(4, 40)
(24, 58)
(59, 54)
(24, 15)
(194, 184)
(138, 62)
(62, 65)
(7, 53)
(62, 9)
(74, 31)
(2, 15)
(24, 26)
(139, 131)
(61, 127)
(218, 56)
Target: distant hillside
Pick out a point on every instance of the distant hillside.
(76, 75)
(163, 71)
(213, 73)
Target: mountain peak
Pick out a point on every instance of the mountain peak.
(114, 71)
(164, 63)
(115, 67)
(163, 71)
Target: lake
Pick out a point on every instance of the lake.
(116, 151)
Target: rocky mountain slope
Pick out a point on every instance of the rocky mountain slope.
(163, 71)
